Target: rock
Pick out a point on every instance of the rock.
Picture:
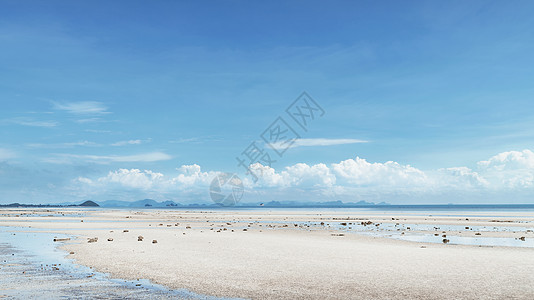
(154, 241)
(126, 230)
(110, 240)
(92, 240)
(61, 240)
(445, 241)
(343, 224)
(478, 233)
(72, 252)
(522, 238)
(140, 238)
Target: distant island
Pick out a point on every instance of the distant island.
(150, 203)
(87, 203)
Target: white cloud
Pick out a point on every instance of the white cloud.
(32, 122)
(189, 177)
(317, 142)
(505, 175)
(82, 107)
(133, 178)
(6, 154)
(512, 169)
(63, 145)
(325, 142)
(391, 174)
(124, 143)
(105, 159)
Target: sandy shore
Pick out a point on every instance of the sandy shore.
(291, 255)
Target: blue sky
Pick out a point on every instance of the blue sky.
(97, 97)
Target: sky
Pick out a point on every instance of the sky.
(416, 102)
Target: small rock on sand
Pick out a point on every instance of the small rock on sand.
(445, 241)
(92, 240)
(110, 240)
(61, 240)
(140, 238)
(154, 241)
(126, 230)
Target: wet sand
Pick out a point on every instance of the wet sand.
(300, 254)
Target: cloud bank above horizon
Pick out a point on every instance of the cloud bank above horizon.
(507, 177)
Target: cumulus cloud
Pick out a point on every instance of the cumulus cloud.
(512, 169)
(189, 178)
(350, 179)
(391, 174)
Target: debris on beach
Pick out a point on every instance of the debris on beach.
(92, 240)
(140, 238)
(126, 230)
(110, 240)
(61, 239)
(522, 238)
(154, 241)
(445, 241)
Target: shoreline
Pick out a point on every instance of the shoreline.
(274, 258)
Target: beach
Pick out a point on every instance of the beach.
(300, 254)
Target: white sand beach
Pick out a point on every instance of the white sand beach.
(290, 255)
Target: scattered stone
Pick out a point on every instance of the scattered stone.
(522, 238)
(445, 241)
(72, 252)
(61, 239)
(478, 233)
(154, 241)
(140, 238)
(92, 240)
(423, 246)
(343, 224)
(110, 240)
(337, 234)
(126, 230)
(245, 229)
